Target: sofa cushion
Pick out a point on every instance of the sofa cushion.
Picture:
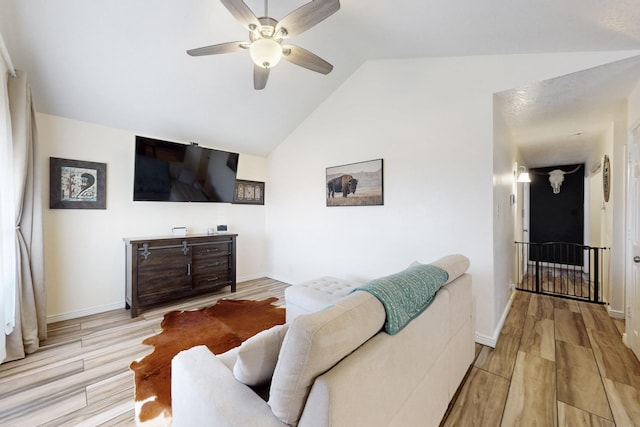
(315, 343)
(229, 357)
(257, 356)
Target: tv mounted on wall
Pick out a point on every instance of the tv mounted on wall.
(172, 172)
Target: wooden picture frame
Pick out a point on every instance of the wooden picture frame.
(77, 184)
(355, 184)
(249, 192)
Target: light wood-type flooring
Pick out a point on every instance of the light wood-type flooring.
(81, 376)
(557, 362)
(572, 282)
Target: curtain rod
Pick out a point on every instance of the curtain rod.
(6, 57)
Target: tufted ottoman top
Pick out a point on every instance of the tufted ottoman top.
(314, 295)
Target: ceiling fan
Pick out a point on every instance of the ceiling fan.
(267, 34)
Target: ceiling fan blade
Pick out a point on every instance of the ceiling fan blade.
(219, 48)
(306, 17)
(306, 59)
(260, 77)
(242, 13)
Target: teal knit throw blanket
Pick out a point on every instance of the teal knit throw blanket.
(406, 294)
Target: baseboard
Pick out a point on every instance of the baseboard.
(616, 314)
(252, 277)
(280, 278)
(491, 341)
(486, 340)
(82, 313)
(102, 309)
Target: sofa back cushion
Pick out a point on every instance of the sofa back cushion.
(257, 356)
(315, 343)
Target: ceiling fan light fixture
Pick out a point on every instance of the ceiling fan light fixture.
(265, 52)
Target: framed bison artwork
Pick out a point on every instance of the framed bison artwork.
(355, 184)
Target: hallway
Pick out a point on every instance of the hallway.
(557, 362)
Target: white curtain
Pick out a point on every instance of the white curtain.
(8, 271)
(25, 318)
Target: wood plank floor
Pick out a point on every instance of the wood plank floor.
(81, 377)
(556, 363)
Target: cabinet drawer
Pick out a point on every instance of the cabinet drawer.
(210, 265)
(212, 279)
(212, 250)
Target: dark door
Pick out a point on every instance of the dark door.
(557, 217)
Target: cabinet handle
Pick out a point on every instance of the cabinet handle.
(145, 251)
(213, 265)
(189, 269)
(212, 250)
(212, 279)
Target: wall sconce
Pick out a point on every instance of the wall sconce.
(524, 175)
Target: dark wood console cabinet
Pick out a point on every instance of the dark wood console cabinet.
(162, 269)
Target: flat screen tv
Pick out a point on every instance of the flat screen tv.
(172, 172)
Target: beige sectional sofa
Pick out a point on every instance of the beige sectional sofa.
(336, 367)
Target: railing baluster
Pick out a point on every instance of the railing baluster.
(595, 275)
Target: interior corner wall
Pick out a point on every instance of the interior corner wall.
(615, 219)
(633, 107)
(84, 249)
(431, 121)
(504, 208)
(600, 213)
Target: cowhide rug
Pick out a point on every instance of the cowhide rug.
(220, 327)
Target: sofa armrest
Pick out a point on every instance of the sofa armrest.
(205, 392)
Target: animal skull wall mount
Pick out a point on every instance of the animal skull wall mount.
(556, 178)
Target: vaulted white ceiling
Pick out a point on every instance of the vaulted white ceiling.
(122, 63)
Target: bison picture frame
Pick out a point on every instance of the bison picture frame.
(355, 184)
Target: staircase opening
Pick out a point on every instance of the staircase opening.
(556, 260)
(567, 270)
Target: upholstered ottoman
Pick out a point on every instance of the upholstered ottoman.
(314, 295)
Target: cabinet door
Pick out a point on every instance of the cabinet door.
(211, 264)
(163, 272)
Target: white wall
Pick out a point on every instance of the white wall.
(600, 213)
(614, 219)
(444, 191)
(429, 119)
(505, 214)
(84, 251)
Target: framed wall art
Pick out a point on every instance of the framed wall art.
(355, 184)
(76, 184)
(249, 192)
